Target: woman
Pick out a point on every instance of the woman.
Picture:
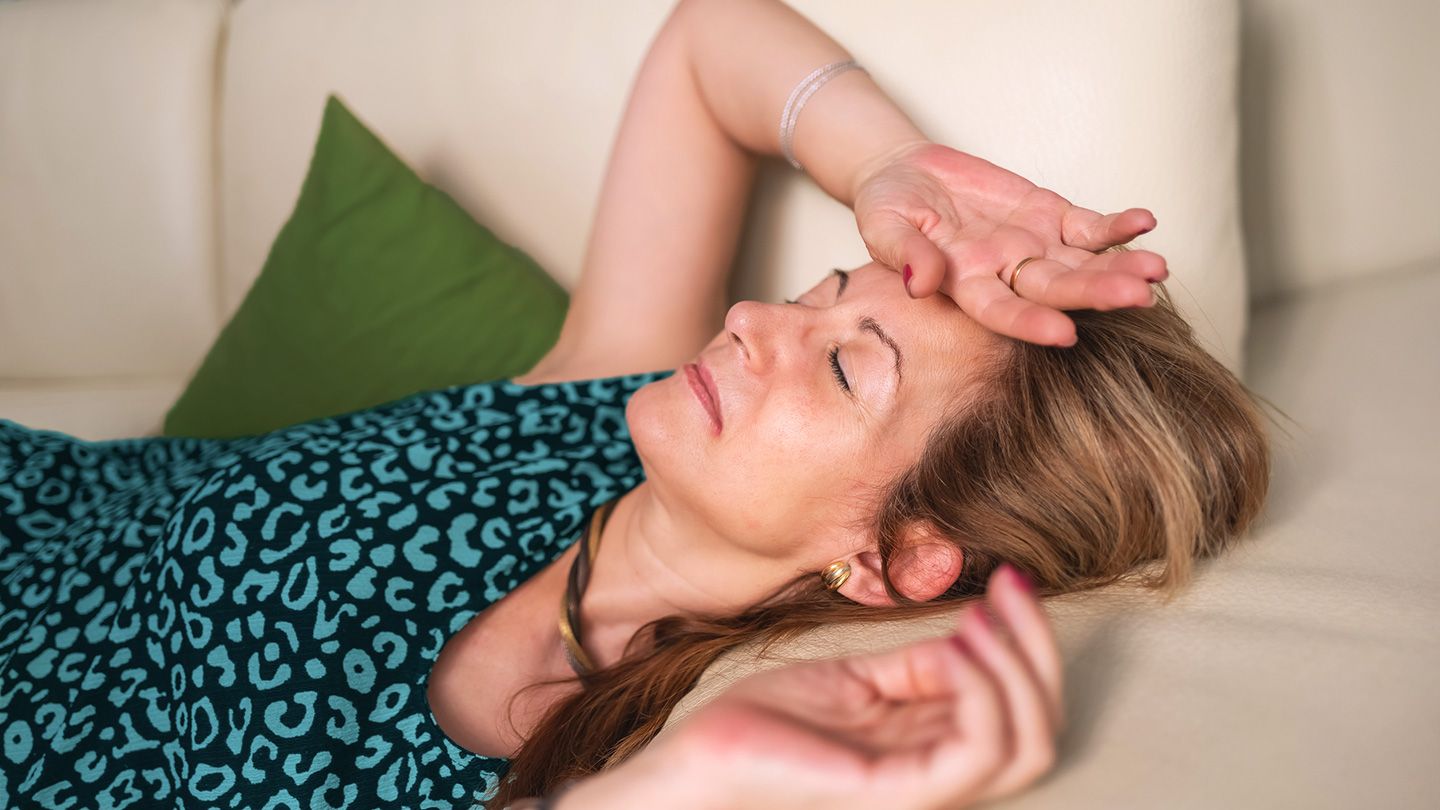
(360, 611)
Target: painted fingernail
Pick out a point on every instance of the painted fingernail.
(982, 616)
(1022, 579)
(1145, 230)
(907, 274)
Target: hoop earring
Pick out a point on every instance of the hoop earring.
(835, 575)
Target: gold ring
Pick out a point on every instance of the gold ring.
(1018, 268)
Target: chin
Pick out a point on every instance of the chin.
(670, 432)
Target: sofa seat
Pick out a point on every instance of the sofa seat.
(1298, 670)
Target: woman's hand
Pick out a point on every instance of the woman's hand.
(961, 224)
(939, 724)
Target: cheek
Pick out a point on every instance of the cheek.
(793, 440)
(800, 443)
(789, 422)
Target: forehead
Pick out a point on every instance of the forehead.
(876, 288)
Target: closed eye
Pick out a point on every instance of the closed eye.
(835, 367)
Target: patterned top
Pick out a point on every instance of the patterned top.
(251, 622)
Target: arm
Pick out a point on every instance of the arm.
(706, 102)
(748, 58)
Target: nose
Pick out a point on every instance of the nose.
(765, 335)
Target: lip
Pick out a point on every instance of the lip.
(702, 385)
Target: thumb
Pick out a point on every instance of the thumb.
(899, 245)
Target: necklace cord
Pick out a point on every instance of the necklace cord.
(576, 584)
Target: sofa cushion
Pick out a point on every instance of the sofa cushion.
(91, 408)
(377, 287)
(1298, 670)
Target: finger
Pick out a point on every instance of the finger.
(986, 299)
(898, 244)
(967, 758)
(1032, 734)
(993, 254)
(1091, 230)
(906, 674)
(896, 727)
(1033, 634)
(1146, 264)
(1055, 285)
(1106, 281)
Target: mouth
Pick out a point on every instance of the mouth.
(703, 386)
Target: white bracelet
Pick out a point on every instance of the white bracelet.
(801, 94)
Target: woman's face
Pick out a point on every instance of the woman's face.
(821, 403)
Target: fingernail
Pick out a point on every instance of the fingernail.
(983, 616)
(1022, 579)
(959, 641)
(907, 275)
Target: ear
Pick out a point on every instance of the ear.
(923, 569)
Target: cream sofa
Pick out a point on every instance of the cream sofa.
(151, 149)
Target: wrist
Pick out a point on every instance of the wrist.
(879, 160)
(647, 780)
(848, 129)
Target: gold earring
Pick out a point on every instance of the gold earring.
(835, 575)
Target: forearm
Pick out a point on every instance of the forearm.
(747, 55)
(646, 780)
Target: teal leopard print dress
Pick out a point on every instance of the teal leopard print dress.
(249, 623)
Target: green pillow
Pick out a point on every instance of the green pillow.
(378, 287)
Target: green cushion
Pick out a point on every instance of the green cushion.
(378, 287)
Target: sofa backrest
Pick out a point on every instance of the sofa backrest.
(107, 204)
(1339, 119)
(150, 149)
(512, 109)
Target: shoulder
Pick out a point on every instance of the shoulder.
(492, 681)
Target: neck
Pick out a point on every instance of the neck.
(653, 562)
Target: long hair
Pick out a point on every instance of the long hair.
(1079, 465)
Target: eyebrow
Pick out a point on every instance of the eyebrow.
(869, 324)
